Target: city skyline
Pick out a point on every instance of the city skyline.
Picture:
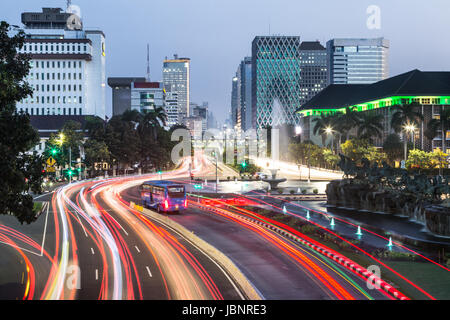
(227, 46)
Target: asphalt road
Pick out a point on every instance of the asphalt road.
(274, 273)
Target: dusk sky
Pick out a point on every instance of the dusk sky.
(217, 34)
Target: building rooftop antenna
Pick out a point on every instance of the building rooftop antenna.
(148, 62)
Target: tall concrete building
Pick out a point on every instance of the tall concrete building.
(357, 61)
(276, 76)
(67, 73)
(121, 93)
(176, 78)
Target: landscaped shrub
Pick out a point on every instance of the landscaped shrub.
(315, 191)
(304, 191)
(292, 192)
(280, 191)
(308, 229)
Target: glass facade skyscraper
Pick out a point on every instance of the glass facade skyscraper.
(358, 61)
(313, 64)
(276, 76)
(176, 78)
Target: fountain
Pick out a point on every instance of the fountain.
(273, 181)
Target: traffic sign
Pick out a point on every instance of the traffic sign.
(51, 162)
(51, 170)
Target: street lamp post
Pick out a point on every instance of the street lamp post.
(309, 163)
(410, 129)
(329, 131)
(298, 133)
(70, 165)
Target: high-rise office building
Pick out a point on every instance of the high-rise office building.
(202, 112)
(67, 73)
(276, 76)
(121, 93)
(357, 61)
(147, 96)
(234, 102)
(176, 78)
(313, 63)
(244, 94)
(171, 107)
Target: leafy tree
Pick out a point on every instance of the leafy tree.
(123, 141)
(95, 152)
(66, 142)
(331, 158)
(95, 128)
(439, 159)
(357, 149)
(20, 171)
(392, 146)
(419, 159)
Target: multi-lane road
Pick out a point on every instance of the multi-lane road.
(93, 245)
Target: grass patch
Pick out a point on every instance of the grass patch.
(37, 207)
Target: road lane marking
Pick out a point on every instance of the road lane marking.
(149, 272)
(45, 230)
(96, 274)
(92, 250)
(210, 258)
(137, 249)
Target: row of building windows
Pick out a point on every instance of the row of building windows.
(56, 64)
(57, 88)
(55, 76)
(52, 111)
(54, 48)
(53, 100)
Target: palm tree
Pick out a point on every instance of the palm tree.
(370, 125)
(322, 124)
(348, 120)
(131, 116)
(153, 120)
(405, 114)
(443, 123)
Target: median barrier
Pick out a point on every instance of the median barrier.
(232, 270)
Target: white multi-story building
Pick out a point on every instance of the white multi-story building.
(67, 73)
(171, 108)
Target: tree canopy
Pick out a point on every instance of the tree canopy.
(20, 171)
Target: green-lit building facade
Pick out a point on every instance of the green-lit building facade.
(427, 92)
